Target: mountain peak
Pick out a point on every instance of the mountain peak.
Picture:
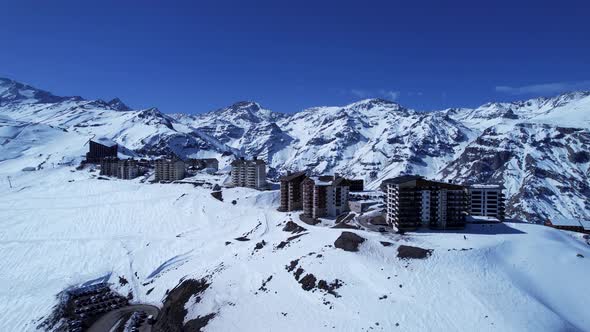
(12, 91)
(118, 105)
(377, 104)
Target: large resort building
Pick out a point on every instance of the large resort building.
(324, 196)
(248, 173)
(486, 201)
(100, 148)
(169, 169)
(291, 190)
(413, 201)
(122, 169)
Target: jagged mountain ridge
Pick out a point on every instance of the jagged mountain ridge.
(538, 146)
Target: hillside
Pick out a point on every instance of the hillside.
(62, 228)
(538, 148)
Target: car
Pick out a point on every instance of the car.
(382, 229)
(151, 320)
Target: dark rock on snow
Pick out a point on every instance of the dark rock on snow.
(348, 241)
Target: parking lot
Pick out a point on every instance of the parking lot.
(87, 304)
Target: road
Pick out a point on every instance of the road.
(109, 320)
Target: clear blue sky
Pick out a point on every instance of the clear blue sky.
(194, 56)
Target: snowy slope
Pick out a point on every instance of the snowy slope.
(62, 228)
(524, 144)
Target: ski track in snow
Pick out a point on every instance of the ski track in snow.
(511, 277)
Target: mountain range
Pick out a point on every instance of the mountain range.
(538, 148)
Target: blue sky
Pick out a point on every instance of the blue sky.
(195, 56)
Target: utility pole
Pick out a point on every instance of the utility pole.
(9, 183)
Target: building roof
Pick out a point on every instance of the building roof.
(292, 176)
(566, 222)
(244, 161)
(328, 180)
(486, 186)
(481, 219)
(403, 179)
(104, 141)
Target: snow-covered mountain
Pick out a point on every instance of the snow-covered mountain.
(239, 264)
(537, 147)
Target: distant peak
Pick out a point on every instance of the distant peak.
(376, 103)
(246, 105)
(118, 105)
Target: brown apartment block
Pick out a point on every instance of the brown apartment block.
(413, 201)
(324, 196)
(291, 191)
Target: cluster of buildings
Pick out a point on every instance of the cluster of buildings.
(120, 168)
(413, 202)
(104, 151)
(317, 197)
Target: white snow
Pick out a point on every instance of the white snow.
(57, 233)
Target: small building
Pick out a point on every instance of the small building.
(487, 201)
(361, 206)
(204, 163)
(248, 173)
(569, 224)
(291, 191)
(324, 196)
(169, 169)
(413, 202)
(99, 148)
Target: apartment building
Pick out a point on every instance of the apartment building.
(99, 148)
(127, 169)
(291, 191)
(122, 169)
(413, 202)
(487, 201)
(324, 196)
(169, 169)
(248, 173)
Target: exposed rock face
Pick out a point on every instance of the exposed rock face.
(173, 311)
(293, 228)
(348, 241)
(409, 252)
(537, 147)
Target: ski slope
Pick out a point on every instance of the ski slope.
(61, 227)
